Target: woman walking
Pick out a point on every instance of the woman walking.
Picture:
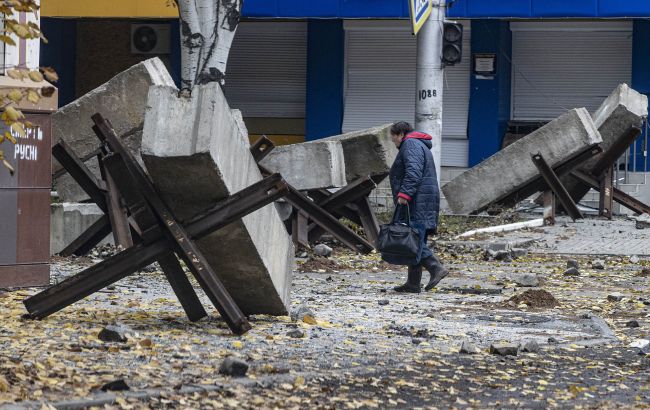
(414, 183)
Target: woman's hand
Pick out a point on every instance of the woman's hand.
(402, 201)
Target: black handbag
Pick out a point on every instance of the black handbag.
(400, 243)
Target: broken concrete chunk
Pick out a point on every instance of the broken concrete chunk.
(468, 348)
(615, 297)
(504, 349)
(301, 312)
(367, 152)
(527, 281)
(296, 334)
(323, 250)
(312, 165)
(571, 272)
(196, 155)
(530, 346)
(113, 333)
(572, 263)
(512, 169)
(233, 367)
(598, 264)
(122, 100)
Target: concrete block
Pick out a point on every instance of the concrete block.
(511, 168)
(624, 108)
(311, 165)
(69, 220)
(366, 152)
(195, 154)
(122, 100)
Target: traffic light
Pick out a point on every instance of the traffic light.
(452, 44)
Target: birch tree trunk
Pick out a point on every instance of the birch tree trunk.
(207, 30)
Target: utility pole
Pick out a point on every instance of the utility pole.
(429, 80)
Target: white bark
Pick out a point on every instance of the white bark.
(207, 30)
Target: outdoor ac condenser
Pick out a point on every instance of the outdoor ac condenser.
(150, 39)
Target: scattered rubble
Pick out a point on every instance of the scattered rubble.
(530, 346)
(504, 349)
(571, 272)
(527, 281)
(113, 333)
(233, 367)
(468, 347)
(296, 334)
(535, 298)
(323, 250)
(116, 385)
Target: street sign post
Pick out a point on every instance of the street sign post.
(420, 12)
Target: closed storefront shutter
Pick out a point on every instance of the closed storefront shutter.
(267, 69)
(564, 65)
(380, 83)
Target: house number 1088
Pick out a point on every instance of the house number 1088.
(424, 94)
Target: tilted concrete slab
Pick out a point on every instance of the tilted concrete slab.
(511, 168)
(311, 165)
(367, 152)
(195, 154)
(623, 109)
(122, 100)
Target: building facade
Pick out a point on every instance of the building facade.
(303, 70)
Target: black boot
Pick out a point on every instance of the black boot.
(437, 271)
(412, 284)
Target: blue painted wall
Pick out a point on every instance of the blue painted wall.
(325, 67)
(59, 53)
(641, 74)
(459, 9)
(489, 104)
(550, 8)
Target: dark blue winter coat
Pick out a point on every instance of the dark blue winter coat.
(413, 177)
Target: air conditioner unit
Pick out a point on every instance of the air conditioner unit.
(150, 39)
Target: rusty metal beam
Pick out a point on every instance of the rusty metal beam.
(137, 257)
(186, 248)
(81, 174)
(619, 196)
(606, 197)
(262, 147)
(90, 238)
(328, 222)
(554, 183)
(147, 222)
(608, 158)
(369, 220)
(117, 214)
(538, 184)
(300, 229)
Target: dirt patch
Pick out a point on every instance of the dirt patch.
(318, 264)
(534, 298)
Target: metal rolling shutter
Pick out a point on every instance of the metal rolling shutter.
(380, 83)
(267, 69)
(559, 66)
